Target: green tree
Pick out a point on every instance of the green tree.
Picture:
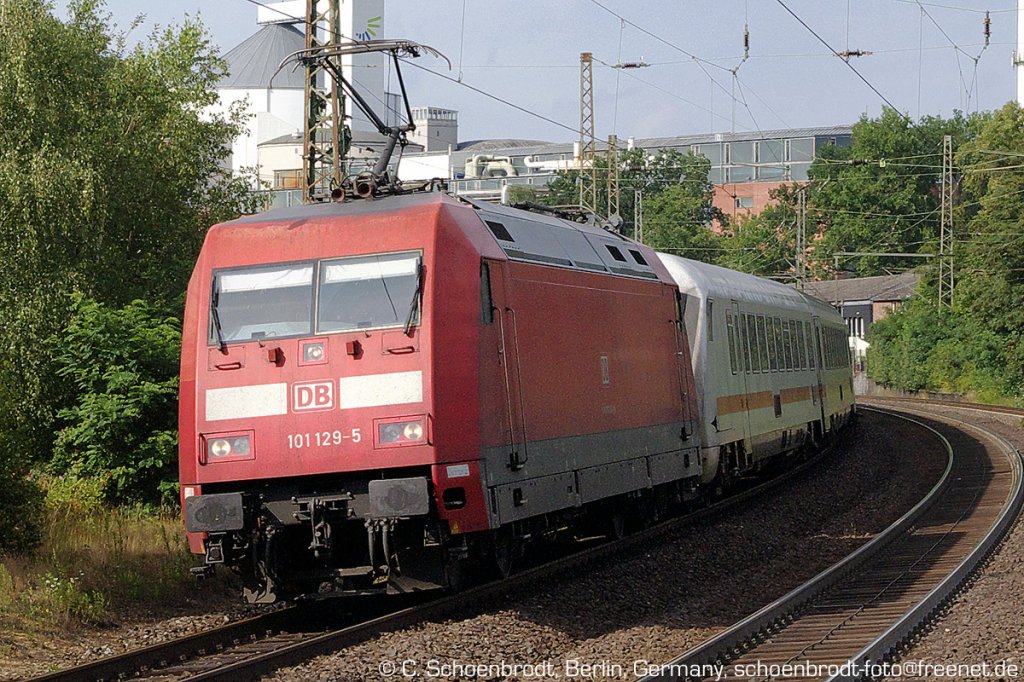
(765, 244)
(111, 170)
(882, 193)
(122, 426)
(652, 174)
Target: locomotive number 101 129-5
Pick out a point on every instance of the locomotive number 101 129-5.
(319, 439)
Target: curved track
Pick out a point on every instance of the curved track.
(865, 607)
(257, 646)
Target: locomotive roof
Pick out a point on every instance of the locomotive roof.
(348, 208)
(712, 281)
(528, 236)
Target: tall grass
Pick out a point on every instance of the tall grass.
(95, 561)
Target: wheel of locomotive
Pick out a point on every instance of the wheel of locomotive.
(648, 510)
(615, 526)
(456, 574)
(504, 549)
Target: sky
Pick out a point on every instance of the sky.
(527, 52)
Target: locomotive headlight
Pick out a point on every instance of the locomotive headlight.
(313, 352)
(413, 431)
(227, 447)
(240, 445)
(403, 432)
(220, 447)
(390, 433)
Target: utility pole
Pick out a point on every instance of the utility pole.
(1018, 54)
(588, 144)
(638, 215)
(946, 233)
(801, 238)
(613, 175)
(326, 137)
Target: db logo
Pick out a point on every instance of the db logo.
(313, 395)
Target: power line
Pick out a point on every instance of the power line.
(662, 90)
(848, 64)
(492, 96)
(699, 61)
(962, 9)
(440, 75)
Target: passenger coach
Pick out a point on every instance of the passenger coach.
(771, 366)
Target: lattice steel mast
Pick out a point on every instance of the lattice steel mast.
(946, 229)
(326, 137)
(588, 143)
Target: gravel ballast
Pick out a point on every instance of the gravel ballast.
(672, 594)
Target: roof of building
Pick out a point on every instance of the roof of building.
(253, 62)
(520, 147)
(882, 288)
(359, 139)
(500, 143)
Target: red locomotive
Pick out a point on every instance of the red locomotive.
(377, 394)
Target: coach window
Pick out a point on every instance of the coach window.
(261, 302)
(787, 344)
(773, 351)
(794, 348)
(750, 349)
(370, 292)
(762, 347)
(779, 348)
(731, 331)
(801, 349)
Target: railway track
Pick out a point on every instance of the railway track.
(863, 609)
(257, 646)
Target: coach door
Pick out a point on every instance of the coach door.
(511, 367)
(818, 394)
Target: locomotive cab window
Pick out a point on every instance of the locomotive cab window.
(370, 292)
(261, 302)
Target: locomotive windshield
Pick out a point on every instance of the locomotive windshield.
(261, 302)
(362, 292)
(368, 292)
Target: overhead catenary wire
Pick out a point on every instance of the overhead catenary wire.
(848, 64)
(440, 75)
(699, 61)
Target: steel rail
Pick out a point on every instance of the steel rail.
(749, 633)
(761, 623)
(887, 643)
(217, 642)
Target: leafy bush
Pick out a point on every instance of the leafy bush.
(121, 428)
(64, 599)
(21, 505)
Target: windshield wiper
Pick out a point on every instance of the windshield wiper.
(417, 297)
(216, 320)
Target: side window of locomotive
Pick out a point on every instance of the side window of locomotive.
(261, 302)
(616, 253)
(730, 328)
(369, 292)
(486, 300)
(711, 319)
(750, 344)
(638, 257)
